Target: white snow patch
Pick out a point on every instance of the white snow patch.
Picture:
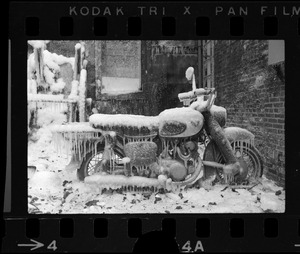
(53, 59)
(126, 160)
(215, 109)
(186, 95)
(77, 46)
(45, 183)
(52, 63)
(82, 95)
(45, 97)
(259, 80)
(269, 201)
(47, 116)
(180, 114)
(74, 127)
(199, 105)
(30, 66)
(37, 43)
(58, 86)
(31, 86)
(106, 181)
(49, 76)
(116, 85)
(74, 90)
(237, 133)
(89, 101)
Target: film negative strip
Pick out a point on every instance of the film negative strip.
(167, 126)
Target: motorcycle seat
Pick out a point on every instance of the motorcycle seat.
(131, 125)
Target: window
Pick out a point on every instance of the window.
(275, 52)
(120, 70)
(208, 63)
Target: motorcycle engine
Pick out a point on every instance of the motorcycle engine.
(173, 169)
(179, 158)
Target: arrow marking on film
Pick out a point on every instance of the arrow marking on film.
(36, 245)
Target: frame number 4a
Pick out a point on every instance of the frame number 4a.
(188, 248)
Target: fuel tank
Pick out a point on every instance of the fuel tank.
(180, 122)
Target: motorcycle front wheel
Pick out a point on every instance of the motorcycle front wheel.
(247, 154)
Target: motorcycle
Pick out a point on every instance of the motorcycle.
(179, 147)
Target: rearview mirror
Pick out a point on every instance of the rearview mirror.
(189, 73)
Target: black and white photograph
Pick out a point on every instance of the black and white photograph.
(156, 126)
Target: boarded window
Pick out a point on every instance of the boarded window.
(120, 67)
(276, 52)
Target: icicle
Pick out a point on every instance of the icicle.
(71, 112)
(59, 138)
(58, 142)
(79, 150)
(90, 146)
(75, 142)
(241, 143)
(67, 146)
(84, 148)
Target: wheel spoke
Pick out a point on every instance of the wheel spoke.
(94, 160)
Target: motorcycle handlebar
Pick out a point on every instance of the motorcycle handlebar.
(195, 93)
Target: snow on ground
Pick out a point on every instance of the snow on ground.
(54, 189)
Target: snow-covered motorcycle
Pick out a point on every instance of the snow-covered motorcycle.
(179, 147)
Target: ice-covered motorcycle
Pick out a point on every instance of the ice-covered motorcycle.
(179, 147)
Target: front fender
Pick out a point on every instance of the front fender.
(238, 134)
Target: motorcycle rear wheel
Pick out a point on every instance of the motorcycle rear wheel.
(91, 160)
(248, 155)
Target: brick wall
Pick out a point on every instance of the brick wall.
(254, 95)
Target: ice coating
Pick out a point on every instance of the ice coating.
(189, 73)
(237, 133)
(82, 96)
(58, 86)
(52, 60)
(75, 138)
(120, 180)
(180, 114)
(77, 46)
(31, 86)
(45, 97)
(180, 122)
(215, 109)
(186, 95)
(47, 116)
(138, 121)
(126, 160)
(74, 90)
(74, 127)
(37, 43)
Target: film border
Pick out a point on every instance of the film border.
(287, 30)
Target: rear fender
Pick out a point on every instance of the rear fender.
(238, 134)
